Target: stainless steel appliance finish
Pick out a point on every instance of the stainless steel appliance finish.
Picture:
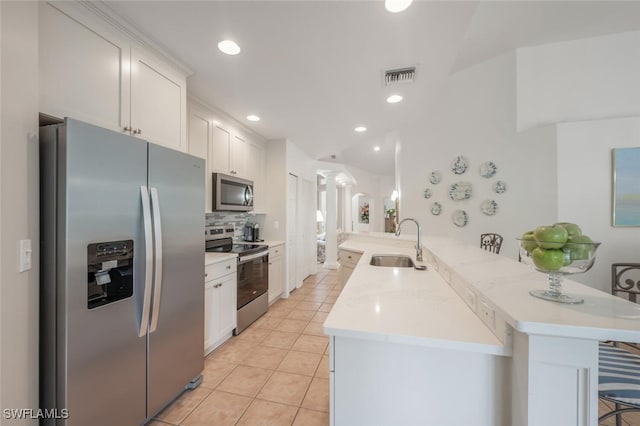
(115, 208)
(251, 232)
(231, 193)
(253, 273)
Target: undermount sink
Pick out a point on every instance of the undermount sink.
(392, 260)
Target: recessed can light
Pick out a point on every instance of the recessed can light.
(360, 129)
(229, 47)
(396, 6)
(393, 99)
(376, 148)
(253, 117)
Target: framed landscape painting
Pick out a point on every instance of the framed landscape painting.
(626, 187)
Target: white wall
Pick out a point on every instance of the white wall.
(476, 117)
(275, 226)
(585, 190)
(579, 80)
(19, 205)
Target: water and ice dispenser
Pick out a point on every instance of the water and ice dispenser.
(109, 272)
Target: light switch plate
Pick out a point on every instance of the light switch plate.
(24, 255)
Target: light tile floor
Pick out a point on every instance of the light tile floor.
(274, 373)
(277, 371)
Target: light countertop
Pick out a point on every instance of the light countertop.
(442, 306)
(506, 284)
(211, 258)
(405, 305)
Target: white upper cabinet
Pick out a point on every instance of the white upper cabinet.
(220, 154)
(158, 101)
(228, 150)
(94, 73)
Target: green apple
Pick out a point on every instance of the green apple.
(572, 229)
(551, 237)
(579, 247)
(528, 241)
(547, 259)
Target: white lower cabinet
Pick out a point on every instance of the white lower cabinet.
(348, 260)
(220, 313)
(276, 272)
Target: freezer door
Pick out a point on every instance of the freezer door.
(101, 360)
(176, 330)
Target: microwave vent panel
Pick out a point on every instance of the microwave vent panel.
(401, 75)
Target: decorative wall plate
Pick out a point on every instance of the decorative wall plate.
(460, 218)
(499, 187)
(488, 169)
(459, 165)
(435, 177)
(427, 193)
(436, 208)
(460, 191)
(489, 207)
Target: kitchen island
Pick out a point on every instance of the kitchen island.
(464, 342)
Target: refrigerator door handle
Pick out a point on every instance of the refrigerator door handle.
(148, 269)
(157, 233)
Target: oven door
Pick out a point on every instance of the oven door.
(253, 277)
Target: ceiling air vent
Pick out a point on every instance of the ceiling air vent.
(402, 75)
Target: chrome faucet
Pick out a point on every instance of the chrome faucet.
(419, 244)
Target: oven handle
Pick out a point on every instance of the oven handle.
(250, 257)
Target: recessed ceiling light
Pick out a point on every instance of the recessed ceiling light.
(397, 5)
(253, 117)
(360, 129)
(229, 47)
(394, 99)
(376, 148)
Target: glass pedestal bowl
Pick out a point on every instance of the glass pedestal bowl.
(576, 259)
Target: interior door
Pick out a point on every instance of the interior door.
(175, 346)
(292, 231)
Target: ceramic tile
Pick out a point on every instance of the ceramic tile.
(245, 380)
(292, 325)
(215, 370)
(325, 307)
(280, 339)
(158, 423)
(301, 315)
(285, 303)
(323, 368)
(314, 328)
(313, 344)
(304, 363)
(234, 350)
(314, 298)
(265, 357)
(308, 417)
(278, 312)
(220, 409)
(331, 299)
(309, 306)
(296, 297)
(317, 397)
(320, 316)
(266, 413)
(182, 407)
(267, 322)
(285, 388)
(253, 334)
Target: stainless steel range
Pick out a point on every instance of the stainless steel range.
(253, 272)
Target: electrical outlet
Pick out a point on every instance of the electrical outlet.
(487, 314)
(24, 255)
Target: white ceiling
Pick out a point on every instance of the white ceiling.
(312, 70)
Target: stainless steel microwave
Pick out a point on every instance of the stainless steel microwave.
(231, 193)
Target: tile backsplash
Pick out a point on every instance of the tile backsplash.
(236, 219)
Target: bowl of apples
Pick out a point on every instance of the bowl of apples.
(558, 250)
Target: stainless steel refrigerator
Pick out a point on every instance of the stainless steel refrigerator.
(122, 274)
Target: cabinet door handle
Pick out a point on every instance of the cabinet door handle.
(206, 275)
(126, 129)
(137, 131)
(228, 266)
(270, 263)
(217, 285)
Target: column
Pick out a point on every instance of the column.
(348, 219)
(331, 247)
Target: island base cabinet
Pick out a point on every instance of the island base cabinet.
(382, 383)
(554, 381)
